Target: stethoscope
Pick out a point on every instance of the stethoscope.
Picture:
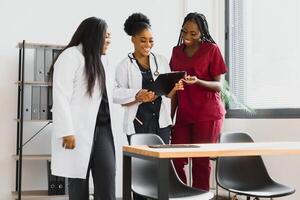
(156, 73)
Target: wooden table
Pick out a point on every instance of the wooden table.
(163, 155)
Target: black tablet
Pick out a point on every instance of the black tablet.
(164, 83)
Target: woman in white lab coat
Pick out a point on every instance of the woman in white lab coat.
(144, 111)
(82, 139)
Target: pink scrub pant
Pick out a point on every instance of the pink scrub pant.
(200, 132)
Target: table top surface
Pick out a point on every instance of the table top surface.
(216, 150)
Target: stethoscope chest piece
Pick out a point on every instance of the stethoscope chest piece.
(156, 73)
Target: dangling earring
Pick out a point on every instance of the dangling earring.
(202, 38)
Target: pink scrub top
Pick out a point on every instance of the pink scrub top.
(196, 103)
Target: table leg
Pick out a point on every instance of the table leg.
(126, 177)
(190, 172)
(163, 179)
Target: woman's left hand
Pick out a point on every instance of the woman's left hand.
(191, 79)
(178, 86)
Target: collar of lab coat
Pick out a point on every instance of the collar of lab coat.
(151, 62)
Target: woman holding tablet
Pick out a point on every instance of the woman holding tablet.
(145, 112)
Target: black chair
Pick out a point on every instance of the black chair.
(247, 175)
(144, 179)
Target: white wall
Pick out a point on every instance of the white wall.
(54, 22)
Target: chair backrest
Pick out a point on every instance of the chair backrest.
(145, 139)
(242, 171)
(144, 172)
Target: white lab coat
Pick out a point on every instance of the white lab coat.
(74, 112)
(128, 81)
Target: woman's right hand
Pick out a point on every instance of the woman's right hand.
(69, 142)
(144, 96)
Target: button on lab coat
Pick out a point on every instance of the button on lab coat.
(74, 112)
(128, 81)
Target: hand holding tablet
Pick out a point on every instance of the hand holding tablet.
(164, 83)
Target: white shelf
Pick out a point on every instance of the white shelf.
(38, 83)
(40, 45)
(33, 157)
(38, 194)
(34, 120)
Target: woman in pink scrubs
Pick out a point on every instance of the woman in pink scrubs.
(200, 111)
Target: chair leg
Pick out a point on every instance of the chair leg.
(217, 191)
(248, 197)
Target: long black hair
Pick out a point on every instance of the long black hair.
(201, 22)
(91, 34)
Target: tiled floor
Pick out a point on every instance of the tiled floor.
(220, 198)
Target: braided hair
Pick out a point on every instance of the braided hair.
(201, 22)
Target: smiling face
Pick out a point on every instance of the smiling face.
(106, 43)
(190, 33)
(143, 42)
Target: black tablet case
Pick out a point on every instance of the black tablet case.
(164, 83)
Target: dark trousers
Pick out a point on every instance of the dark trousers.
(102, 166)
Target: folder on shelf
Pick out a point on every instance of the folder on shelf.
(56, 184)
(164, 83)
(44, 103)
(35, 102)
(39, 63)
(48, 62)
(61, 185)
(27, 103)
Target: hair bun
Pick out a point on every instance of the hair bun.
(135, 23)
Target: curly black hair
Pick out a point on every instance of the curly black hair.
(136, 23)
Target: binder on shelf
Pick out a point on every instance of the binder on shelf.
(56, 184)
(48, 62)
(27, 103)
(44, 103)
(35, 102)
(61, 185)
(39, 63)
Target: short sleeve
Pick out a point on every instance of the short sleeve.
(217, 65)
